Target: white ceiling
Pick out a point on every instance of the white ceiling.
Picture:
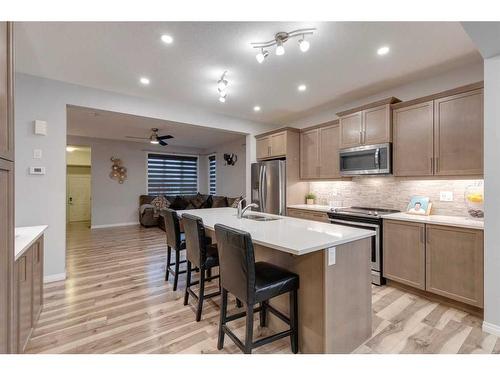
(89, 122)
(342, 60)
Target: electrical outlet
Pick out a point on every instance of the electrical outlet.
(446, 196)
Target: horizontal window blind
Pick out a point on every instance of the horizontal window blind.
(212, 174)
(172, 174)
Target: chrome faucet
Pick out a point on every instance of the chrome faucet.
(241, 211)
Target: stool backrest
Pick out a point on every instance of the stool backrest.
(236, 262)
(172, 228)
(196, 247)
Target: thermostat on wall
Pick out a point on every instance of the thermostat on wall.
(37, 170)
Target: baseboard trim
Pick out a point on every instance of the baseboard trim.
(56, 277)
(491, 328)
(114, 225)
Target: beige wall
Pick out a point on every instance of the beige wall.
(393, 192)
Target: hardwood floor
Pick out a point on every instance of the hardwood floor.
(115, 300)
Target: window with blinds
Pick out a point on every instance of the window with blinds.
(212, 175)
(172, 174)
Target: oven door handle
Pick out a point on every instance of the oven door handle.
(354, 223)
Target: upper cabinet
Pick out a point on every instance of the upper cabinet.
(367, 125)
(271, 145)
(319, 152)
(6, 96)
(440, 135)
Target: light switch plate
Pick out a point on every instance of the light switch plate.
(446, 196)
(37, 154)
(332, 252)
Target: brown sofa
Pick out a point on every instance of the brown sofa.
(151, 206)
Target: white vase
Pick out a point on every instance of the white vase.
(309, 201)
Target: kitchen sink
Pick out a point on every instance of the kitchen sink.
(260, 218)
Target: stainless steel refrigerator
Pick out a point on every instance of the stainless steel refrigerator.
(269, 186)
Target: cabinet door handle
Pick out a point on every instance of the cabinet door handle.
(437, 164)
(361, 136)
(422, 235)
(432, 165)
(364, 136)
(268, 150)
(427, 237)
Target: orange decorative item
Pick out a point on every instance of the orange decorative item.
(118, 172)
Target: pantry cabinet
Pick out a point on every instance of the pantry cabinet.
(440, 259)
(319, 152)
(404, 253)
(440, 135)
(367, 125)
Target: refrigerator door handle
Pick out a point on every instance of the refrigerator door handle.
(281, 189)
(264, 188)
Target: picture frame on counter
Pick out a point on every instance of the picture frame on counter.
(419, 205)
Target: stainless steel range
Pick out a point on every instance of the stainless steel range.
(365, 218)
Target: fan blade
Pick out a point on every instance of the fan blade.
(166, 137)
(128, 136)
(162, 143)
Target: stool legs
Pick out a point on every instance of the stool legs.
(222, 322)
(249, 330)
(294, 322)
(169, 255)
(263, 314)
(177, 264)
(201, 295)
(188, 283)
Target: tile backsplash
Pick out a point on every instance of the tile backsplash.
(393, 192)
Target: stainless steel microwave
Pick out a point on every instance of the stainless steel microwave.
(366, 160)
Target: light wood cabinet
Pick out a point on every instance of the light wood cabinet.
(458, 134)
(441, 134)
(404, 252)
(319, 152)
(24, 277)
(6, 96)
(351, 130)
(454, 263)
(308, 214)
(439, 259)
(6, 249)
(414, 140)
(377, 125)
(271, 145)
(367, 125)
(37, 279)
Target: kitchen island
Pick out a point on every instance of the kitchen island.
(334, 266)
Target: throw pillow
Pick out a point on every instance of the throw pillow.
(233, 202)
(219, 202)
(179, 203)
(160, 202)
(198, 201)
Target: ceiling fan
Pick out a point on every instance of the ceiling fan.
(154, 138)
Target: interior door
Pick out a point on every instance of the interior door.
(78, 198)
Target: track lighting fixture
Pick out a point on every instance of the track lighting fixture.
(222, 85)
(261, 56)
(279, 40)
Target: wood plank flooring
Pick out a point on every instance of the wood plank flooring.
(115, 300)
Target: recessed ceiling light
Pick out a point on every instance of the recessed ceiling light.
(302, 87)
(167, 39)
(383, 50)
(256, 108)
(144, 80)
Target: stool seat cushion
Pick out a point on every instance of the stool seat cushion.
(212, 259)
(271, 281)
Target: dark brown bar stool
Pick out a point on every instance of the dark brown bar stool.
(175, 242)
(252, 283)
(201, 254)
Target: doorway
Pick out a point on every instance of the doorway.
(78, 185)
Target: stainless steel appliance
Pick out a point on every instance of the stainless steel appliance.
(365, 218)
(366, 160)
(269, 186)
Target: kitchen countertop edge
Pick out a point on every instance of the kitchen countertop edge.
(27, 237)
(452, 221)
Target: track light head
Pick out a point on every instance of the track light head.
(261, 56)
(222, 84)
(304, 44)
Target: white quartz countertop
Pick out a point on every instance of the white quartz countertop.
(311, 207)
(25, 237)
(291, 235)
(454, 221)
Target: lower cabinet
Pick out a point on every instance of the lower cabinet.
(28, 293)
(308, 215)
(404, 253)
(454, 263)
(439, 259)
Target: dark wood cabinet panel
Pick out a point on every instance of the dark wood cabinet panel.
(404, 253)
(413, 140)
(454, 263)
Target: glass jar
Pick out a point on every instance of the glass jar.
(474, 199)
